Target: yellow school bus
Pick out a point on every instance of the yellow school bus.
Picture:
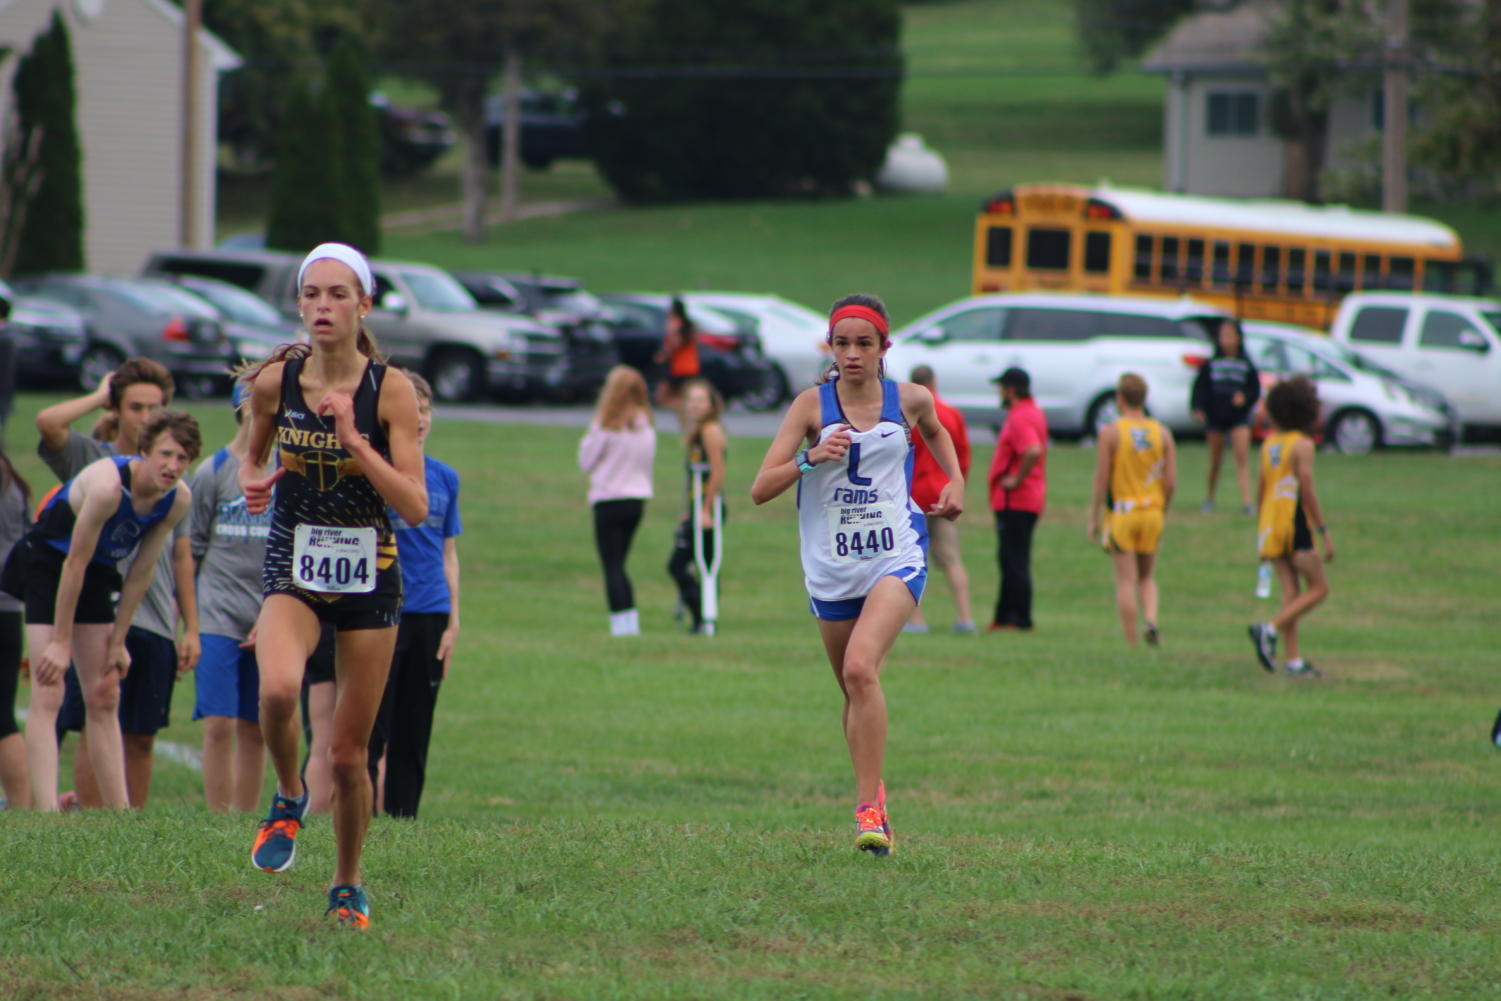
(1262, 259)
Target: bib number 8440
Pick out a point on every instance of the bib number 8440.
(864, 545)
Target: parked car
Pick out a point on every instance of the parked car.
(1452, 343)
(552, 127)
(1362, 405)
(422, 319)
(46, 338)
(1074, 347)
(793, 337)
(140, 317)
(255, 327)
(561, 303)
(729, 356)
(410, 138)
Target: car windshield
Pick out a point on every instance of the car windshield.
(438, 292)
(236, 303)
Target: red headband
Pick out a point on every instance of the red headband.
(859, 313)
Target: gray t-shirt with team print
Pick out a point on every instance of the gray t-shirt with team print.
(230, 545)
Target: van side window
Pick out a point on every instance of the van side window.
(1050, 325)
(974, 325)
(1378, 325)
(1133, 325)
(1443, 329)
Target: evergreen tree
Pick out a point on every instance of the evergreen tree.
(304, 209)
(51, 237)
(356, 149)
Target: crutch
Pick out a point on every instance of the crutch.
(708, 571)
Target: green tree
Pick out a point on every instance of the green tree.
(304, 209)
(1460, 147)
(764, 98)
(51, 232)
(354, 154)
(1113, 31)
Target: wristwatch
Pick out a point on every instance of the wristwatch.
(804, 464)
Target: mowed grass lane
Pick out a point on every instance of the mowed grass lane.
(669, 816)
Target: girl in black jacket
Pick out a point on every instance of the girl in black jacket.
(1224, 394)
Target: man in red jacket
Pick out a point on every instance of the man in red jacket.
(1018, 485)
(943, 535)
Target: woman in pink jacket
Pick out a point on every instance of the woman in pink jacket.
(617, 453)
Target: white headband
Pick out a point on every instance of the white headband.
(344, 254)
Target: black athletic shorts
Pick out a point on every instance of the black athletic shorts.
(10, 671)
(44, 568)
(320, 666)
(145, 694)
(1302, 537)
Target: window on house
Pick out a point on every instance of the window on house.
(1233, 113)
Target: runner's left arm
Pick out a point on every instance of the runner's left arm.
(401, 482)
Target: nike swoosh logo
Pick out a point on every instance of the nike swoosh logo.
(887, 434)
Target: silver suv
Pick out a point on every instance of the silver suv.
(422, 319)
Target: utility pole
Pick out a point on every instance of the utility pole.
(188, 207)
(1394, 105)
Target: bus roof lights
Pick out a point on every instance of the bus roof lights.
(1000, 204)
(1096, 209)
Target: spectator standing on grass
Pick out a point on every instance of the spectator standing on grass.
(345, 429)
(679, 354)
(229, 545)
(15, 504)
(428, 632)
(846, 447)
(1289, 518)
(1018, 490)
(116, 507)
(705, 444)
(1224, 393)
(1136, 472)
(126, 399)
(928, 480)
(617, 454)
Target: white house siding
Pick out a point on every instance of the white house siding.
(1248, 166)
(128, 78)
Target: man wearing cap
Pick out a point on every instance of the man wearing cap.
(1018, 486)
(229, 546)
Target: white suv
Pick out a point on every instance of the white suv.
(1073, 347)
(1452, 343)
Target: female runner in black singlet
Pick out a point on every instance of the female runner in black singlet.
(344, 428)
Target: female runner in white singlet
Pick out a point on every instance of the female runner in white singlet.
(847, 444)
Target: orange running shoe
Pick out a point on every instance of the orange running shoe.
(275, 845)
(348, 904)
(872, 833)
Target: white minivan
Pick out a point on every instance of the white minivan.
(1073, 346)
(1452, 343)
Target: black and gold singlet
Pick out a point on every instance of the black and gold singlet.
(331, 537)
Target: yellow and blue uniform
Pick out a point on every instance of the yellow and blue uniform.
(1283, 529)
(1137, 494)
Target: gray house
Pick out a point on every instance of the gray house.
(127, 56)
(1217, 133)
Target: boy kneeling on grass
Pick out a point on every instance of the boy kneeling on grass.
(1286, 507)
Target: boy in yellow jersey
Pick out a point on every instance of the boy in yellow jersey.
(1135, 474)
(1286, 507)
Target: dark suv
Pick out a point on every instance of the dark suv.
(552, 128)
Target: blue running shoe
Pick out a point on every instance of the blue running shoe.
(276, 839)
(348, 904)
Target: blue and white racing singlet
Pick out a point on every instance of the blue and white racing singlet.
(856, 518)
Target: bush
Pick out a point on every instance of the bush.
(766, 98)
(51, 236)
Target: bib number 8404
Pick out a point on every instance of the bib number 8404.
(334, 559)
(332, 571)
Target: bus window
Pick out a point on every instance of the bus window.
(1370, 271)
(1169, 272)
(1344, 273)
(1047, 249)
(1193, 262)
(998, 247)
(1296, 270)
(1400, 273)
(1143, 266)
(1245, 264)
(1097, 253)
(1321, 271)
(1221, 276)
(1271, 268)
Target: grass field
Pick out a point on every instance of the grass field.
(668, 816)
